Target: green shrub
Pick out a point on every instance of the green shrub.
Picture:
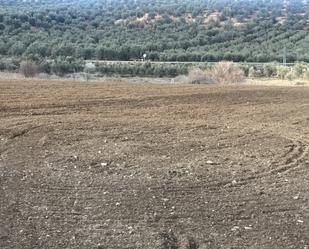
(45, 67)
(9, 65)
(2, 66)
(282, 71)
(255, 73)
(290, 75)
(251, 72)
(269, 70)
(245, 69)
(62, 66)
(299, 70)
(306, 74)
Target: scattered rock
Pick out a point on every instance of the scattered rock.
(235, 228)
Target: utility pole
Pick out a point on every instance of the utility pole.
(284, 55)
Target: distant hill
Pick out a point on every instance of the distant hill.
(166, 30)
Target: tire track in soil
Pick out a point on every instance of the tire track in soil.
(76, 204)
(15, 136)
(291, 161)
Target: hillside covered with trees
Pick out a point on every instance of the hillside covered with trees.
(166, 30)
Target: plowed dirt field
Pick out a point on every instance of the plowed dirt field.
(114, 165)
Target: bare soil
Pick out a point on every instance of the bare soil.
(115, 165)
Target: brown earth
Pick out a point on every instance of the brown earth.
(98, 165)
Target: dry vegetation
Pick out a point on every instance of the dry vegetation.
(198, 76)
(223, 72)
(29, 69)
(226, 72)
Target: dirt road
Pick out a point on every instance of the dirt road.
(93, 165)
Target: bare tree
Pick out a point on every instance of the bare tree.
(29, 69)
(226, 72)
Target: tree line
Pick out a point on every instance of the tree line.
(174, 30)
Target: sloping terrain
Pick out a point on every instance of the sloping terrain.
(166, 30)
(114, 165)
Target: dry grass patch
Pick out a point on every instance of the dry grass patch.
(226, 72)
(29, 69)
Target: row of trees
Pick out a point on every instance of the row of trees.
(298, 71)
(70, 66)
(60, 66)
(250, 53)
(172, 30)
(144, 69)
(63, 66)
